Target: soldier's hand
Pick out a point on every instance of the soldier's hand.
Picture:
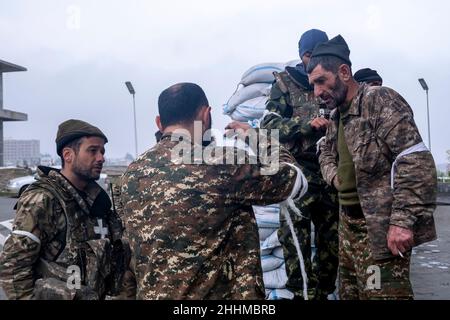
(400, 240)
(319, 124)
(240, 128)
(235, 125)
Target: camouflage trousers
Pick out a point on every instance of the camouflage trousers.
(363, 278)
(322, 210)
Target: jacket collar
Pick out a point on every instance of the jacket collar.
(54, 177)
(181, 136)
(355, 107)
(299, 77)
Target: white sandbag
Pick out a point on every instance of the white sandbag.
(266, 251)
(278, 253)
(246, 93)
(270, 243)
(270, 263)
(279, 294)
(276, 279)
(264, 233)
(261, 73)
(250, 109)
(268, 221)
(273, 208)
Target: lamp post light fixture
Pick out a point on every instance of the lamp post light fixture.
(426, 88)
(133, 92)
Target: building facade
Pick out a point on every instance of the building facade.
(21, 152)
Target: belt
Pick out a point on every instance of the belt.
(354, 211)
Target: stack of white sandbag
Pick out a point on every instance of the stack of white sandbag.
(272, 258)
(249, 100)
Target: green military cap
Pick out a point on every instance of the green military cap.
(74, 129)
(335, 47)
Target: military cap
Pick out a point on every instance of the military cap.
(335, 47)
(74, 129)
(367, 75)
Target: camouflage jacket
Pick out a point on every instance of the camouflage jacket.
(56, 228)
(292, 106)
(191, 227)
(379, 127)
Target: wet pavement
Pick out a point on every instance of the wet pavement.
(430, 268)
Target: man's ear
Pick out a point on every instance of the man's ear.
(158, 123)
(68, 155)
(202, 114)
(345, 72)
(206, 114)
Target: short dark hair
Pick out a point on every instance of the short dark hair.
(329, 63)
(180, 103)
(75, 145)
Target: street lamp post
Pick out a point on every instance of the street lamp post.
(132, 92)
(426, 88)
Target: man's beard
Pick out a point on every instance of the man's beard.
(84, 173)
(339, 94)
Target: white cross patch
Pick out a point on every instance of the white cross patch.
(100, 229)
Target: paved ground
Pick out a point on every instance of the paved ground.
(430, 269)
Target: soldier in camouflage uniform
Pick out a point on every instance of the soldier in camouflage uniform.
(65, 242)
(293, 109)
(386, 177)
(191, 227)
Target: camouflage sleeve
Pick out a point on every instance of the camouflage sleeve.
(279, 117)
(415, 180)
(327, 158)
(21, 250)
(128, 281)
(129, 285)
(266, 182)
(116, 198)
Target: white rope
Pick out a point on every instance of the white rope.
(299, 190)
(318, 144)
(285, 212)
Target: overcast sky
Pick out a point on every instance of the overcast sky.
(80, 53)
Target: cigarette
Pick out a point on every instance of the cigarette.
(401, 255)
